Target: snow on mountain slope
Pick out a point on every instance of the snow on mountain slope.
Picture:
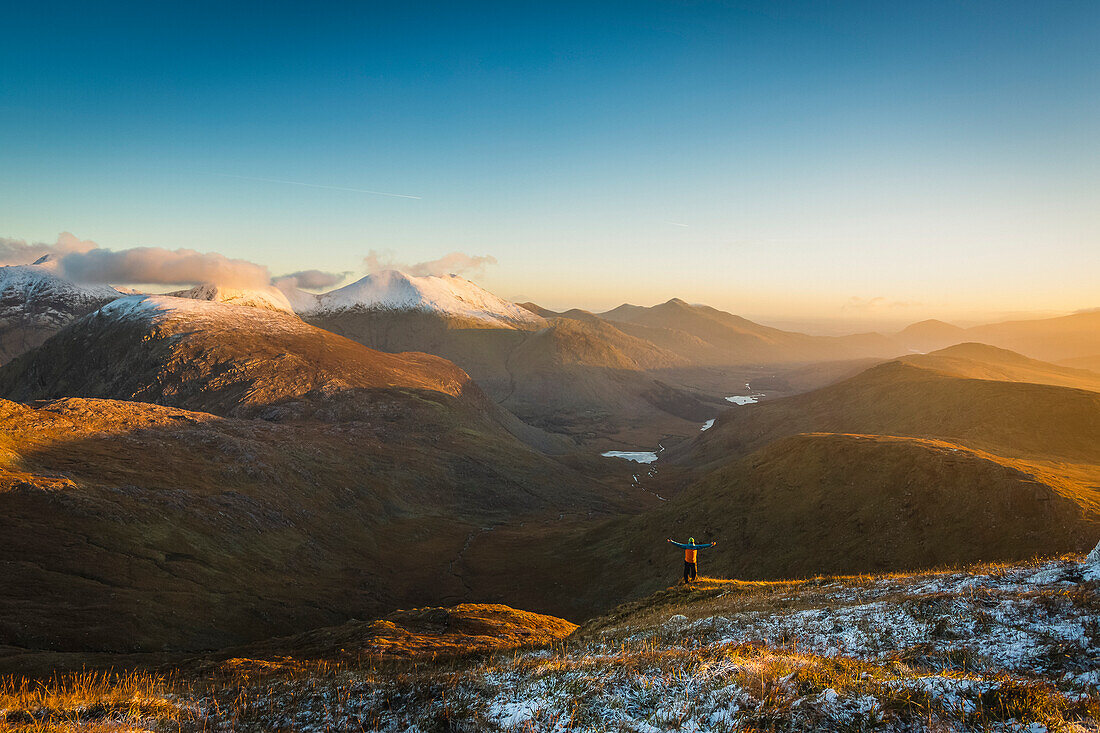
(39, 285)
(449, 295)
(35, 303)
(302, 301)
(200, 312)
(268, 298)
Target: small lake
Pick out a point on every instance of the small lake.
(632, 455)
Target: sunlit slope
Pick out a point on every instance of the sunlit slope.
(244, 362)
(980, 361)
(216, 358)
(1008, 418)
(420, 633)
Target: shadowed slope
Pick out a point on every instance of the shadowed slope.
(573, 376)
(132, 527)
(135, 527)
(829, 503)
(930, 335)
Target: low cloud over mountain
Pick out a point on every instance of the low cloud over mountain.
(21, 252)
(310, 279)
(163, 266)
(455, 263)
(85, 261)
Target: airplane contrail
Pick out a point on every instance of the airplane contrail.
(317, 185)
(677, 224)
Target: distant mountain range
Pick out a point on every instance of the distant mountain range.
(1076, 336)
(627, 376)
(624, 377)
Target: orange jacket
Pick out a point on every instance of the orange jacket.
(689, 555)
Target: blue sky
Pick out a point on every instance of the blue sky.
(942, 158)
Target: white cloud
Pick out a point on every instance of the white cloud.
(454, 263)
(311, 279)
(162, 266)
(21, 252)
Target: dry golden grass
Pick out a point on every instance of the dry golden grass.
(93, 701)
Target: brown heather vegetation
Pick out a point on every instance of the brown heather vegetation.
(628, 665)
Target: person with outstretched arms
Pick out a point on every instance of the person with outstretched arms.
(691, 551)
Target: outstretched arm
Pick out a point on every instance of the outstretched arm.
(689, 546)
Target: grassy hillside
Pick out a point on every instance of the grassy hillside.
(830, 503)
(1005, 647)
(218, 358)
(980, 361)
(132, 527)
(896, 398)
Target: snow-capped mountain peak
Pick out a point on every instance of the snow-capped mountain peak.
(39, 284)
(267, 298)
(448, 295)
(35, 303)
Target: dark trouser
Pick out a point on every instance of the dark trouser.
(689, 571)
